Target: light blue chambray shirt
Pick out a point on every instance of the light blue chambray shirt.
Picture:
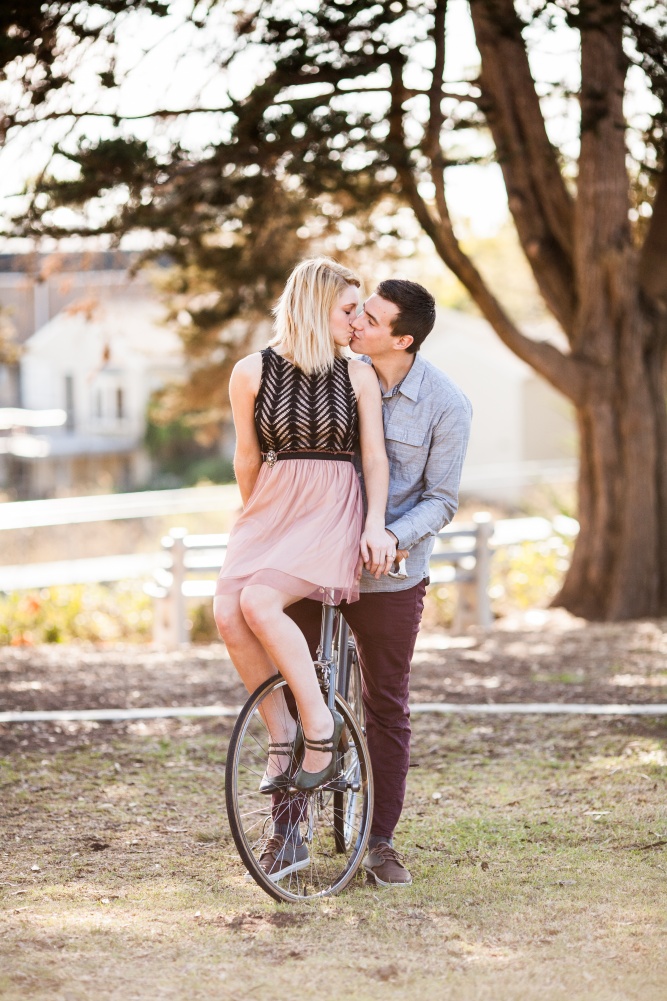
(426, 427)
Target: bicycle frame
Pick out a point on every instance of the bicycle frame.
(332, 671)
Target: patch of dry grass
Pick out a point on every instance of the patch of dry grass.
(538, 848)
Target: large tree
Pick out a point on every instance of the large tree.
(354, 107)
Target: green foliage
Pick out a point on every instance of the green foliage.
(527, 575)
(99, 614)
(37, 40)
(211, 470)
(203, 628)
(177, 452)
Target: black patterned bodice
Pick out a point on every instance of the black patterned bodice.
(297, 412)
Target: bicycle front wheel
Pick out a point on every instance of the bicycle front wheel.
(324, 863)
(346, 806)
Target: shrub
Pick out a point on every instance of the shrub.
(98, 613)
(527, 575)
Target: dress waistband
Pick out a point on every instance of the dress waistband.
(272, 457)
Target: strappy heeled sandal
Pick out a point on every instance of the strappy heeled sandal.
(307, 781)
(274, 783)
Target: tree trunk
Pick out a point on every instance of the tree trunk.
(619, 567)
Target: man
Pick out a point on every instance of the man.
(427, 425)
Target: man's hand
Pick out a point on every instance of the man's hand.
(401, 554)
(378, 550)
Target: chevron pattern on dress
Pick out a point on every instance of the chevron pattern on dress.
(296, 412)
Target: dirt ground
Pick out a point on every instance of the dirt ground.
(544, 656)
(537, 844)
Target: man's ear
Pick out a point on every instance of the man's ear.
(403, 342)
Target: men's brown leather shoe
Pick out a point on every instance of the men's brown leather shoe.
(384, 865)
(279, 858)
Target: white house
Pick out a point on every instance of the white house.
(523, 431)
(99, 362)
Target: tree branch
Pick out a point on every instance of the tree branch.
(432, 146)
(158, 113)
(537, 195)
(562, 371)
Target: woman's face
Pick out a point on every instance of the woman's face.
(342, 314)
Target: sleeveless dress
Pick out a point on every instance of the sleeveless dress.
(300, 530)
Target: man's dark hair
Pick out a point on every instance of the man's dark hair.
(416, 310)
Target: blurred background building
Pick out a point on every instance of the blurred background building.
(93, 344)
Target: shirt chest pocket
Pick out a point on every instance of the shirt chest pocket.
(404, 441)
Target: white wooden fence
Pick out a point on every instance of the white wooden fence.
(184, 568)
(462, 555)
(465, 549)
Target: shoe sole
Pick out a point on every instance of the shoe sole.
(275, 877)
(269, 790)
(372, 877)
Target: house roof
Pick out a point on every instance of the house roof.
(130, 324)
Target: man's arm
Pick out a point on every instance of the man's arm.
(442, 474)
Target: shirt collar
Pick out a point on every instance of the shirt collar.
(413, 380)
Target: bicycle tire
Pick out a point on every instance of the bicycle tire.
(344, 809)
(330, 867)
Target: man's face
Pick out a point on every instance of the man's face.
(373, 329)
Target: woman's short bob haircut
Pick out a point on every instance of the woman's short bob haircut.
(301, 315)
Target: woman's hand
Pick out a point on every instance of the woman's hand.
(378, 549)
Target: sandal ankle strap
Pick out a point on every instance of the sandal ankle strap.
(276, 747)
(319, 745)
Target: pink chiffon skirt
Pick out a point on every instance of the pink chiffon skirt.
(299, 532)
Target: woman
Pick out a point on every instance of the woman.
(299, 409)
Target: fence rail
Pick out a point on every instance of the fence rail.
(183, 569)
(113, 507)
(462, 555)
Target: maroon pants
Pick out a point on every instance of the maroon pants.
(385, 627)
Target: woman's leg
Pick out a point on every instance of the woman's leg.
(254, 668)
(247, 653)
(263, 609)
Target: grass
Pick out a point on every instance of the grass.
(538, 850)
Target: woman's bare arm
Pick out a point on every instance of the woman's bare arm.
(375, 542)
(243, 389)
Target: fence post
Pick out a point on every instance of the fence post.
(170, 627)
(180, 631)
(161, 613)
(484, 615)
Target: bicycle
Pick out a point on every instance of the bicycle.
(333, 820)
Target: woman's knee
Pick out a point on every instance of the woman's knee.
(257, 608)
(228, 616)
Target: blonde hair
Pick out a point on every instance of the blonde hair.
(301, 315)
